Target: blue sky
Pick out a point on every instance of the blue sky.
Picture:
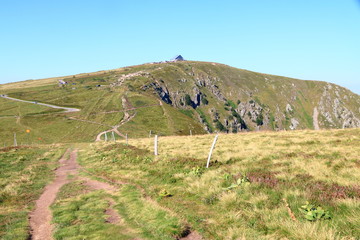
(313, 40)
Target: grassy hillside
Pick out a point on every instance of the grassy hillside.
(254, 188)
(197, 96)
(24, 173)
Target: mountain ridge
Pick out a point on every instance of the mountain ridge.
(198, 97)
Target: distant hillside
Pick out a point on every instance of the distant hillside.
(199, 97)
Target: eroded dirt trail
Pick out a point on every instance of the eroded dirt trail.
(40, 218)
(127, 117)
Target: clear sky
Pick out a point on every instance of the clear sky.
(306, 39)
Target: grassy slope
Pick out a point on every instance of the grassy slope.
(297, 166)
(24, 173)
(273, 92)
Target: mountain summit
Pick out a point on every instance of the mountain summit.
(175, 98)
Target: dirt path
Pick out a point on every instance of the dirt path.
(66, 109)
(40, 218)
(127, 117)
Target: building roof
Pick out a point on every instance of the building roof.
(177, 57)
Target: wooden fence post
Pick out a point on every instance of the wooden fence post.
(156, 145)
(211, 150)
(113, 136)
(106, 137)
(15, 141)
(190, 133)
(126, 139)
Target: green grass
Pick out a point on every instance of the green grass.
(296, 166)
(81, 215)
(154, 222)
(24, 174)
(273, 93)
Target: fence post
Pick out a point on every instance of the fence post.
(190, 133)
(113, 136)
(150, 133)
(211, 150)
(156, 145)
(106, 137)
(15, 142)
(126, 136)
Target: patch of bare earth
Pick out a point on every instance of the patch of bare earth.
(192, 236)
(113, 216)
(40, 218)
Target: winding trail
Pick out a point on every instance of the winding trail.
(127, 117)
(40, 219)
(66, 109)
(126, 108)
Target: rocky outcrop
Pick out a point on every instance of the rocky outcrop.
(298, 105)
(293, 123)
(162, 91)
(334, 110)
(316, 119)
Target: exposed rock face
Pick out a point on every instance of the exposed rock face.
(289, 109)
(270, 103)
(294, 123)
(316, 119)
(254, 112)
(334, 110)
(162, 91)
(196, 97)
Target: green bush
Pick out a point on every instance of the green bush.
(188, 100)
(204, 101)
(260, 120)
(313, 213)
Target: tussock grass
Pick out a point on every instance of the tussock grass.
(296, 166)
(24, 173)
(79, 213)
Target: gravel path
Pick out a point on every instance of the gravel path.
(66, 109)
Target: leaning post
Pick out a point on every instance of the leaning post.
(211, 150)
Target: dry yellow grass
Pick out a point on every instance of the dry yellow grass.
(299, 166)
(308, 151)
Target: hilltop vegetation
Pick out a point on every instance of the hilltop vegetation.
(197, 96)
(254, 181)
(260, 184)
(257, 187)
(24, 173)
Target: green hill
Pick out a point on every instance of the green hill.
(171, 98)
